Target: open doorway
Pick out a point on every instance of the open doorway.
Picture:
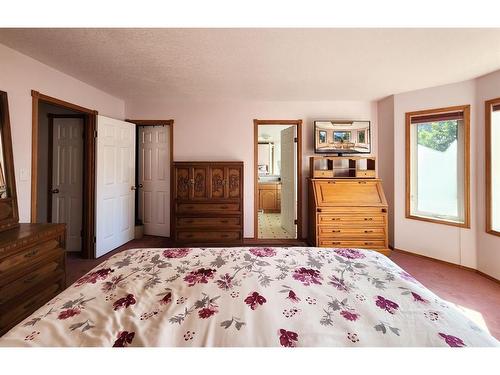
(154, 159)
(62, 178)
(278, 176)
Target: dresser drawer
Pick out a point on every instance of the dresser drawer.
(17, 309)
(347, 232)
(368, 244)
(28, 256)
(191, 222)
(352, 219)
(53, 266)
(207, 207)
(208, 236)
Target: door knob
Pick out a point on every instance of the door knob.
(133, 188)
(141, 186)
(55, 191)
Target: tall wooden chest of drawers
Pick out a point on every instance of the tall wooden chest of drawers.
(32, 270)
(348, 213)
(207, 202)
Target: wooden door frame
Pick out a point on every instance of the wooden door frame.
(488, 107)
(171, 145)
(89, 152)
(298, 124)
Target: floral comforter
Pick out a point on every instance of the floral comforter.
(298, 296)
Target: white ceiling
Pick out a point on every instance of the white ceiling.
(262, 64)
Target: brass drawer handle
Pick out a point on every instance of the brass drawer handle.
(368, 231)
(336, 243)
(361, 182)
(336, 231)
(31, 254)
(368, 243)
(368, 218)
(30, 279)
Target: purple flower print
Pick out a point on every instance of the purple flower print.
(386, 304)
(176, 253)
(207, 312)
(92, 277)
(288, 338)
(263, 252)
(65, 314)
(349, 253)
(254, 300)
(124, 302)
(200, 276)
(123, 339)
(348, 315)
(307, 276)
(417, 298)
(293, 297)
(452, 341)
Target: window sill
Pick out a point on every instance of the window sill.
(440, 221)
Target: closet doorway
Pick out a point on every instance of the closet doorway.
(278, 176)
(62, 177)
(154, 159)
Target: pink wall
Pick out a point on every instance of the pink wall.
(19, 75)
(469, 247)
(224, 131)
(448, 243)
(386, 156)
(488, 245)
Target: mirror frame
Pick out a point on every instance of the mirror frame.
(9, 215)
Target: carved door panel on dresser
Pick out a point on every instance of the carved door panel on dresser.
(208, 202)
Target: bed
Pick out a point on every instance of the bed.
(260, 296)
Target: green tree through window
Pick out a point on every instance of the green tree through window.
(438, 135)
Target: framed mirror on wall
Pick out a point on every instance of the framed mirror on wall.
(9, 217)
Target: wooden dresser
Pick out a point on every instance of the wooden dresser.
(348, 213)
(32, 270)
(207, 202)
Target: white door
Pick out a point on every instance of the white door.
(67, 176)
(289, 180)
(115, 184)
(154, 179)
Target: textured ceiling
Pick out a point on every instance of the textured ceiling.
(262, 64)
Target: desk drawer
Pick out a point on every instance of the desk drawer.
(347, 232)
(367, 244)
(29, 256)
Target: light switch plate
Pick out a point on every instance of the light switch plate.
(23, 174)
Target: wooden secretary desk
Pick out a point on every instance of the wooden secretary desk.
(32, 256)
(347, 205)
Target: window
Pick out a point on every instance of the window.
(492, 112)
(437, 165)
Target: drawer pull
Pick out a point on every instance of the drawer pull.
(368, 218)
(30, 279)
(368, 231)
(31, 254)
(336, 243)
(368, 243)
(224, 235)
(336, 231)
(361, 182)
(224, 221)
